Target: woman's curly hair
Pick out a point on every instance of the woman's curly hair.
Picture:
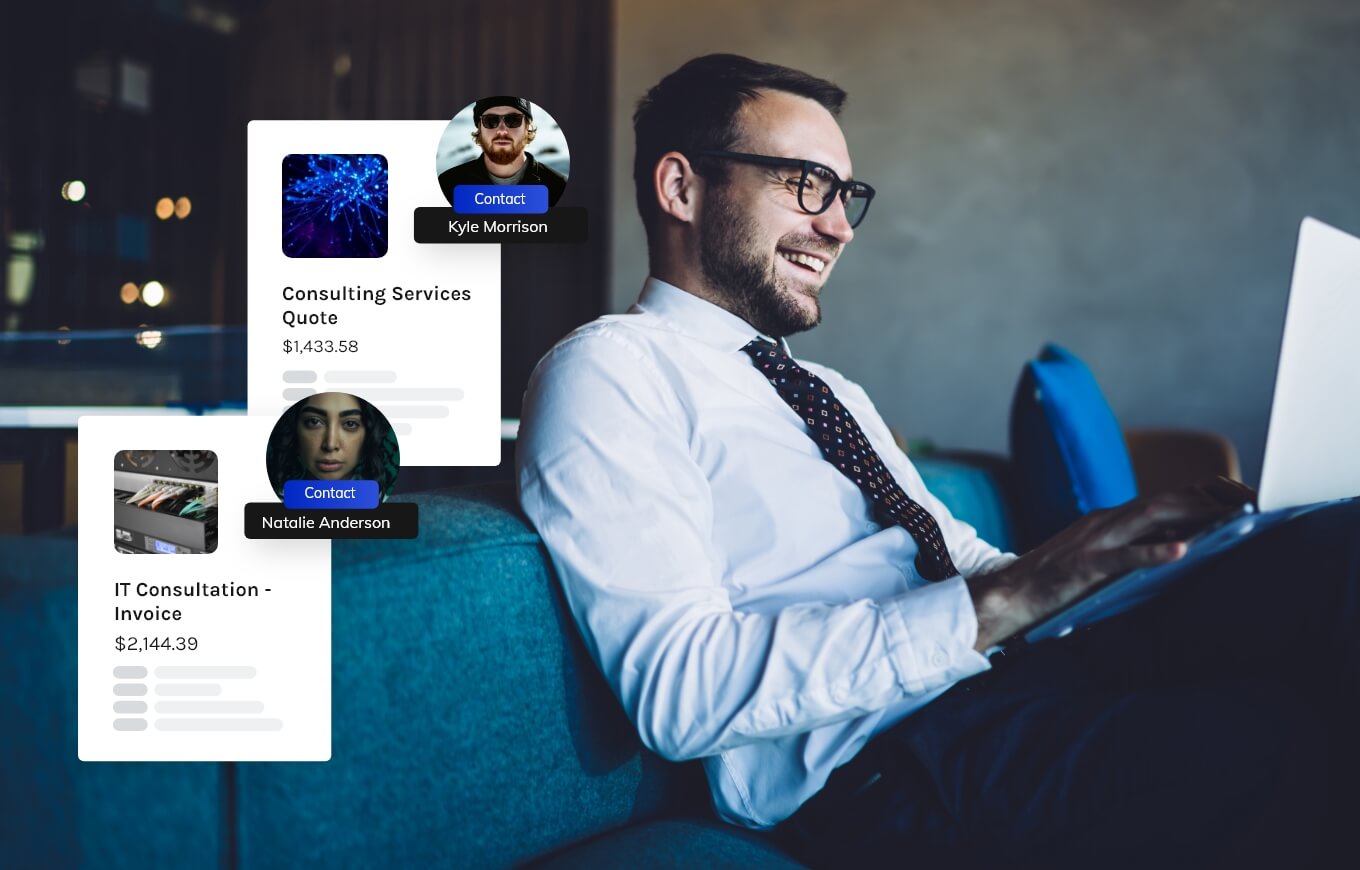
(379, 459)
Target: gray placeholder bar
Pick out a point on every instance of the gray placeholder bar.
(401, 428)
(424, 412)
(292, 394)
(344, 377)
(206, 672)
(129, 689)
(129, 706)
(188, 689)
(129, 724)
(299, 377)
(219, 724)
(209, 706)
(129, 672)
(411, 394)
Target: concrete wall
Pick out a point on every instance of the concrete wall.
(1124, 178)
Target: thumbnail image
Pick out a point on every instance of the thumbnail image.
(335, 205)
(165, 501)
(333, 436)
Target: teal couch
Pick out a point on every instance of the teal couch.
(470, 728)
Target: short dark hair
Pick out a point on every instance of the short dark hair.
(695, 108)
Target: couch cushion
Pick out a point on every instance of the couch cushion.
(1068, 450)
(673, 844)
(469, 727)
(973, 491)
(55, 810)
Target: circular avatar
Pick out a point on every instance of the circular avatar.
(503, 140)
(333, 436)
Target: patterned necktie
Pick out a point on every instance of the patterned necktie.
(844, 445)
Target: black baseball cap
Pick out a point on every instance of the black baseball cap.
(491, 102)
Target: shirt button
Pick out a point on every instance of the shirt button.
(870, 527)
(939, 659)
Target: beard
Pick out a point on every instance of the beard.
(733, 265)
(504, 153)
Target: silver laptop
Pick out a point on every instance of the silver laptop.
(1312, 453)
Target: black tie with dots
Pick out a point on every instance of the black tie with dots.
(843, 443)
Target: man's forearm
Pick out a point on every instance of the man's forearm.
(1000, 612)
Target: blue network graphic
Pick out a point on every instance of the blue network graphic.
(335, 205)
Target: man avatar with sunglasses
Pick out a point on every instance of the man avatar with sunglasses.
(504, 127)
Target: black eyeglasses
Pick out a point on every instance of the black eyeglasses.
(818, 185)
(512, 120)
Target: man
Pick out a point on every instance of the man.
(503, 128)
(768, 586)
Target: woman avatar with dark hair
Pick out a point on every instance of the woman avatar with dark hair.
(333, 436)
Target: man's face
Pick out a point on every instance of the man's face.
(753, 231)
(502, 145)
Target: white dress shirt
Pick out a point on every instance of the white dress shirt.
(730, 582)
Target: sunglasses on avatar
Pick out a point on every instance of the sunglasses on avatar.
(512, 120)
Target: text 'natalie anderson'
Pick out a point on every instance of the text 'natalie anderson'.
(324, 523)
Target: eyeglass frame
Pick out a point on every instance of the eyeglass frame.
(502, 120)
(805, 166)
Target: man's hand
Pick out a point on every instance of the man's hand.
(1099, 547)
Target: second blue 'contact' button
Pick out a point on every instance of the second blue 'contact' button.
(500, 199)
(315, 494)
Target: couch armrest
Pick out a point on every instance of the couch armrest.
(1165, 459)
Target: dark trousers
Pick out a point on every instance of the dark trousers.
(1213, 727)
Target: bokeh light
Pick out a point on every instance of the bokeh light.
(149, 338)
(73, 191)
(183, 207)
(153, 293)
(128, 293)
(164, 208)
(63, 328)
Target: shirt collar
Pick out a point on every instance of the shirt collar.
(697, 318)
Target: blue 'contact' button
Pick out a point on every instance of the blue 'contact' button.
(500, 198)
(314, 494)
